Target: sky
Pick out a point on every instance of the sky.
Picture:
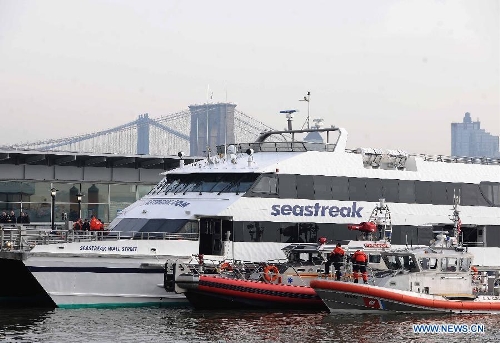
(395, 74)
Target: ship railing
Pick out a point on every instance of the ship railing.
(285, 146)
(19, 237)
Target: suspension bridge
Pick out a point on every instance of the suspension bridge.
(191, 130)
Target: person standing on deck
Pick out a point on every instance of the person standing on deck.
(359, 261)
(337, 256)
(95, 224)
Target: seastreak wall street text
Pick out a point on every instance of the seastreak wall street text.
(316, 210)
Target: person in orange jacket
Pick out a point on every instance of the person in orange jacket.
(338, 259)
(95, 224)
(359, 261)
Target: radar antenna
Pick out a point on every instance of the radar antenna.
(289, 117)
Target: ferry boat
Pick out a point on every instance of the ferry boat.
(288, 186)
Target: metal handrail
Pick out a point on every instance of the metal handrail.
(22, 238)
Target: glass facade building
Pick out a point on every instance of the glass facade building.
(468, 139)
(105, 200)
(107, 183)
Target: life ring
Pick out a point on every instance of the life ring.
(226, 267)
(271, 273)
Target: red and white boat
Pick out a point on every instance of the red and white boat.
(282, 285)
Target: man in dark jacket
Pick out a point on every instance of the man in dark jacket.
(338, 259)
(23, 218)
(86, 225)
(11, 218)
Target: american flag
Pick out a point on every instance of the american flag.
(459, 225)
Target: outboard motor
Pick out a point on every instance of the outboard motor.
(169, 277)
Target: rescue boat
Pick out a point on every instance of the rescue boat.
(278, 285)
(438, 278)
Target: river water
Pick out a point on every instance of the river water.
(188, 325)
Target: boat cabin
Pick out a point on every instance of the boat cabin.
(427, 270)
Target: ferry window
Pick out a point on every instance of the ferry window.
(439, 193)
(195, 182)
(406, 191)
(159, 187)
(287, 186)
(340, 188)
(357, 189)
(390, 190)
(208, 183)
(495, 191)
(266, 184)
(185, 182)
(322, 187)
(423, 192)
(240, 183)
(172, 184)
(471, 195)
(373, 189)
(491, 192)
(305, 187)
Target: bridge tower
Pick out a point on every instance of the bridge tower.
(211, 125)
(143, 135)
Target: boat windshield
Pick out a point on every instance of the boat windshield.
(205, 183)
(400, 262)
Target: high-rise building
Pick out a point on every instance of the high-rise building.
(468, 139)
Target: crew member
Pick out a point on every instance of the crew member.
(337, 257)
(359, 260)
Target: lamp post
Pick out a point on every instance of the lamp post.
(307, 97)
(79, 196)
(53, 192)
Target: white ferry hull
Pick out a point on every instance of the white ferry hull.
(73, 283)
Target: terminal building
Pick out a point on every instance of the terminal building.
(468, 139)
(104, 183)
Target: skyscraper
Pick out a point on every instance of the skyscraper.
(468, 139)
